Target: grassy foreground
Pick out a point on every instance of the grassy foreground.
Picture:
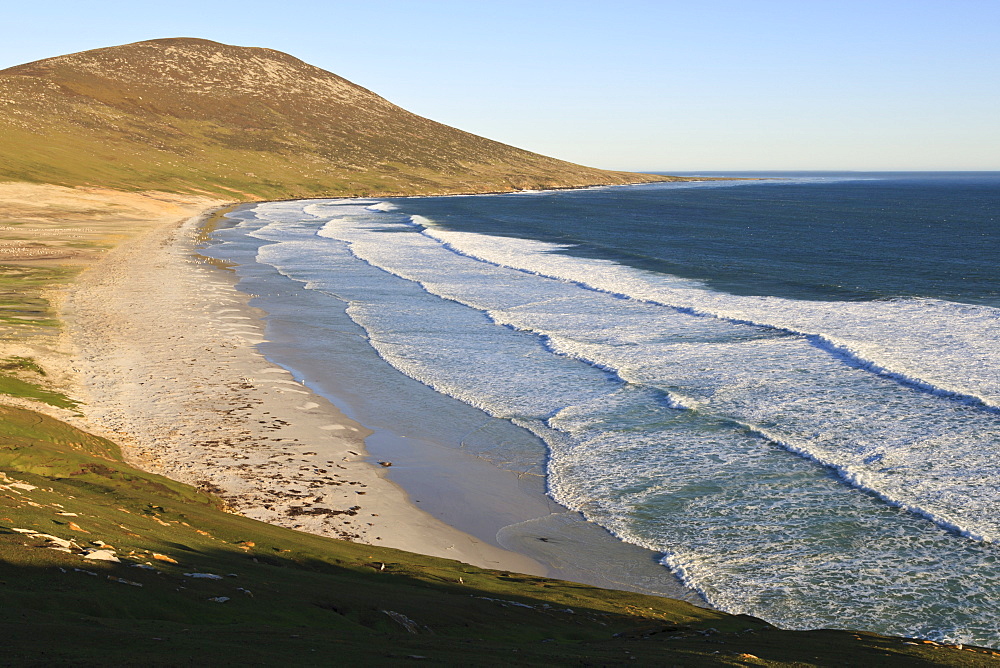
(103, 563)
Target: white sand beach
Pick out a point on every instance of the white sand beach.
(163, 352)
(161, 348)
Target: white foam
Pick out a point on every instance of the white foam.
(656, 395)
(929, 344)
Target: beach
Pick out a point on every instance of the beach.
(162, 352)
(163, 349)
(48, 235)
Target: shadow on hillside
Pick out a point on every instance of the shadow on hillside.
(271, 608)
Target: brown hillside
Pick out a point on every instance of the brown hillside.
(191, 115)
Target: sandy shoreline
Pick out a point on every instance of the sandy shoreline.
(164, 351)
(476, 473)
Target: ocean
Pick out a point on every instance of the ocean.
(787, 389)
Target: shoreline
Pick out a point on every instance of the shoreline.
(165, 352)
(475, 193)
(165, 355)
(424, 434)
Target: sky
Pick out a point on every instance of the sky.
(673, 86)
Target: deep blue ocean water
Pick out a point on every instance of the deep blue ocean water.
(863, 237)
(787, 388)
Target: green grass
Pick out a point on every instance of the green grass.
(299, 599)
(15, 387)
(21, 364)
(23, 304)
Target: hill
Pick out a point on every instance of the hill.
(195, 116)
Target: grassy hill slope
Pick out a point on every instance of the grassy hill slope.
(195, 116)
(105, 563)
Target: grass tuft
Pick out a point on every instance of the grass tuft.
(15, 387)
(21, 364)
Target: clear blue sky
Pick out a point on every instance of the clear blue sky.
(625, 84)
